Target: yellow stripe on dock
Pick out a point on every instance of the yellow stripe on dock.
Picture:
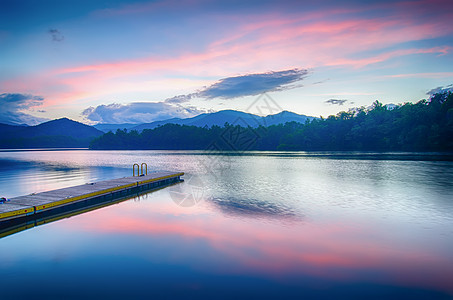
(83, 197)
(9, 210)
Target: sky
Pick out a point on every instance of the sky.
(116, 61)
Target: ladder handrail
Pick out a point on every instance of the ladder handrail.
(141, 167)
(133, 170)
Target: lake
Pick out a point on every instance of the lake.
(263, 225)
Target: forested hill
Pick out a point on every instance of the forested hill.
(61, 133)
(424, 126)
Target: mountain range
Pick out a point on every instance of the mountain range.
(217, 118)
(66, 133)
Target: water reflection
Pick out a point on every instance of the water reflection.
(253, 208)
(270, 225)
(19, 178)
(335, 253)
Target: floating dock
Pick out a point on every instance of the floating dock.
(33, 205)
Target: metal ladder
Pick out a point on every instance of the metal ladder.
(140, 169)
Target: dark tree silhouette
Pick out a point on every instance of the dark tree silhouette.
(423, 126)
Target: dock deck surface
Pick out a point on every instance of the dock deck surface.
(35, 203)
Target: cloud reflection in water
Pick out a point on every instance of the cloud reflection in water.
(254, 208)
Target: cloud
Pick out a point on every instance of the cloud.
(336, 101)
(253, 208)
(245, 85)
(180, 98)
(440, 90)
(56, 35)
(138, 112)
(19, 100)
(342, 36)
(253, 84)
(226, 88)
(13, 105)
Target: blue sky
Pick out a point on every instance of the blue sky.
(151, 60)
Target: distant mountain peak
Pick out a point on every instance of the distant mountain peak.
(232, 117)
(64, 126)
(64, 119)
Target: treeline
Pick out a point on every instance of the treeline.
(53, 141)
(424, 126)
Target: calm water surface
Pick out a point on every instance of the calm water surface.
(267, 224)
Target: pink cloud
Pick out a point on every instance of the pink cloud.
(270, 41)
(321, 38)
(327, 42)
